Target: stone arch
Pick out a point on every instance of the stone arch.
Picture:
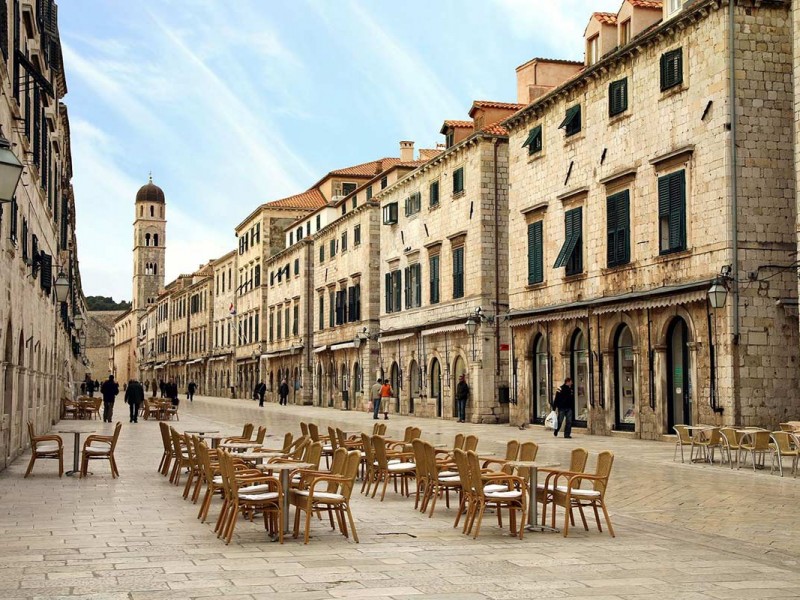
(666, 322)
(155, 240)
(152, 210)
(611, 329)
(146, 239)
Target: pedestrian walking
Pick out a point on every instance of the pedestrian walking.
(162, 387)
(171, 390)
(462, 395)
(109, 389)
(134, 397)
(386, 393)
(261, 390)
(375, 397)
(283, 393)
(190, 390)
(564, 403)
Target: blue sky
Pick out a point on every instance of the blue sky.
(231, 104)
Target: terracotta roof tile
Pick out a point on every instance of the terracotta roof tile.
(367, 169)
(495, 129)
(309, 199)
(606, 18)
(459, 124)
(659, 4)
(492, 104)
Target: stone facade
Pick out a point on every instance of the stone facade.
(636, 333)
(42, 360)
(221, 372)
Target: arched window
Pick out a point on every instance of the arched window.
(146, 239)
(541, 379)
(579, 370)
(155, 268)
(155, 239)
(152, 214)
(141, 211)
(624, 391)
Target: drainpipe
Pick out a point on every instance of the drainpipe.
(497, 269)
(734, 202)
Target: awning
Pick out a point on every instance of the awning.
(218, 358)
(394, 338)
(686, 298)
(343, 345)
(286, 352)
(320, 349)
(445, 329)
(195, 361)
(568, 315)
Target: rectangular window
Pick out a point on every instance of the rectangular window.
(321, 316)
(571, 254)
(390, 214)
(279, 323)
(671, 69)
(433, 264)
(256, 321)
(593, 49)
(322, 253)
(332, 248)
(434, 194)
(625, 32)
(291, 238)
(308, 228)
(618, 250)
(534, 140)
(458, 272)
(535, 253)
(369, 193)
(348, 188)
(14, 223)
(297, 266)
(357, 235)
(296, 320)
(458, 180)
(618, 97)
(354, 311)
(257, 276)
(271, 326)
(397, 285)
(572, 120)
(286, 320)
(331, 309)
(341, 299)
(319, 221)
(344, 241)
(384, 182)
(354, 202)
(415, 287)
(413, 203)
(672, 212)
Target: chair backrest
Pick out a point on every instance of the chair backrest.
(787, 427)
(512, 449)
(31, 433)
(714, 436)
(332, 438)
(366, 445)
(313, 454)
(262, 433)
(226, 471)
(341, 438)
(115, 438)
(176, 442)
(247, 431)
(418, 447)
(349, 472)
(683, 434)
(313, 431)
(379, 429)
(728, 436)
(458, 442)
(187, 441)
(204, 460)
(299, 448)
(577, 460)
(760, 440)
(528, 451)
(411, 433)
(470, 443)
(337, 464)
(287, 442)
(379, 451)
(474, 470)
(460, 458)
(604, 462)
(783, 441)
(303, 428)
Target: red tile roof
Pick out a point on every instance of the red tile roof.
(367, 169)
(459, 124)
(606, 18)
(659, 4)
(492, 104)
(495, 129)
(309, 199)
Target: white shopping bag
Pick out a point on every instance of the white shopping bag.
(551, 421)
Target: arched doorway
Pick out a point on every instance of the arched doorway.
(318, 391)
(394, 381)
(331, 384)
(459, 369)
(436, 385)
(8, 386)
(679, 383)
(414, 381)
(540, 401)
(624, 390)
(579, 371)
(295, 384)
(358, 385)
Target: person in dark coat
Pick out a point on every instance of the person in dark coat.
(564, 403)
(261, 389)
(109, 389)
(283, 393)
(462, 395)
(154, 388)
(134, 397)
(162, 386)
(191, 389)
(171, 389)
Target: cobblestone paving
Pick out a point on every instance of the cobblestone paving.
(684, 531)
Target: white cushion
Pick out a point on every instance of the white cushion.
(254, 489)
(47, 447)
(258, 497)
(218, 479)
(507, 495)
(92, 449)
(402, 467)
(327, 448)
(451, 479)
(579, 493)
(495, 487)
(320, 495)
(448, 473)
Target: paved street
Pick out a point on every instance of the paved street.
(684, 531)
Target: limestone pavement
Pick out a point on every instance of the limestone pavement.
(684, 531)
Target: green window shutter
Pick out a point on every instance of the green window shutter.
(574, 261)
(388, 291)
(417, 285)
(534, 140)
(535, 259)
(677, 211)
(397, 290)
(618, 97)
(458, 180)
(623, 228)
(611, 230)
(572, 234)
(458, 272)
(434, 279)
(671, 69)
(572, 120)
(407, 289)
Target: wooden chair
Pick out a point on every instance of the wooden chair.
(171, 411)
(409, 435)
(211, 476)
(730, 444)
(471, 443)
(101, 447)
(334, 499)
(512, 451)
(95, 406)
(783, 445)
(467, 492)
(684, 439)
(303, 428)
(379, 429)
(384, 471)
(247, 433)
(757, 444)
(250, 493)
(577, 464)
(787, 427)
(68, 409)
(180, 456)
(328, 448)
(369, 475)
(514, 497)
(45, 447)
(168, 454)
(433, 483)
(571, 495)
(194, 474)
(262, 433)
(287, 445)
(707, 441)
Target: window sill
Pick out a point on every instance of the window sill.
(433, 207)
(574, 138)
(536, 286)
(668, 256)
(460, 194)
(673, 91)
(628, 266)
(623, 116)
(532, 158)
(575, 277)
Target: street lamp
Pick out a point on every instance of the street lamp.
(78, 321)
(10, 171)
(472, 325)
(718, 293)
(62, 287)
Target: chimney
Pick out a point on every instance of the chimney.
(406, 151)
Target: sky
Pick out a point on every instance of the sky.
(233, 104)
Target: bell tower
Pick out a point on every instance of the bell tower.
(149, 245)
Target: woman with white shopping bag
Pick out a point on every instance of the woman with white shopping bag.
(564, 403)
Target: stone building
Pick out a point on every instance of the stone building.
(199, 319)
(443, 257)
(42, 359)
(635, 185)
(221, 372)
(100, 333)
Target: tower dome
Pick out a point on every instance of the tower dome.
(150, 192)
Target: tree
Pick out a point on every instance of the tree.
(105, 303)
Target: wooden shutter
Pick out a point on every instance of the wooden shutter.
(407, 289)
(388, 291)
(350, 304)
(535, 258)
(611, 230)
(417, 284)
(397, 289)
(434, 279)
(47, 272)
(623, 250)
(357, 302)
(458, 272)
(677, 210)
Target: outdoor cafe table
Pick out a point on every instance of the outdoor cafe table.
(533, 474)
(700, 432)
(201, 432)
(285, 469)
(76, 449)
(240, 445)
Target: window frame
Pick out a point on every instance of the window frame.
(673, 209)
(458, 181)
(671, 69)
(433, 193)
(569, 123)
(534, 141)
(459, 287)
(618, 236)
(618, 97)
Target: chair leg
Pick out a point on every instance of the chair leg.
(608, 520)
(583, 518)
(308, 525)
(30, 464)
(597, 517)
(61, 463)
(352, 522)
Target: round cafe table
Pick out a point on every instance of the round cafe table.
(240, 445)
(285, 469)
(533, 508)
